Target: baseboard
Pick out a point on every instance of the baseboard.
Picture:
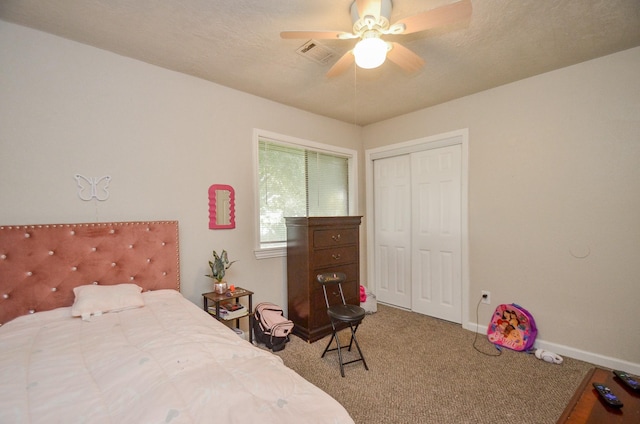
(582, 355)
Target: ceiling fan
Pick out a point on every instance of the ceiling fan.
(371, 22)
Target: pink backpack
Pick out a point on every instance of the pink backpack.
(513, 327)
(270, 326)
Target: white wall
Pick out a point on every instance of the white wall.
(164, 138)
(554, 175)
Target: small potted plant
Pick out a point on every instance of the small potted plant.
(219, 267)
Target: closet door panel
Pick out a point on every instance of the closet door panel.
(392, 182)
(436, 233)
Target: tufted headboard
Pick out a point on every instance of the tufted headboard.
(41, 264)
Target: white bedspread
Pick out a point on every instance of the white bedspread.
(168, 362)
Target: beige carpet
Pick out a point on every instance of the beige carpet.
(424, 370)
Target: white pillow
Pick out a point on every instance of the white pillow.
(94, 299)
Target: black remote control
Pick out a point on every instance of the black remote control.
(628, 379)
(606, 394)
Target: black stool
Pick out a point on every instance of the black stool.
(341, 313)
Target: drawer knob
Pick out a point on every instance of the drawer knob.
(336, 238)
(336, 256)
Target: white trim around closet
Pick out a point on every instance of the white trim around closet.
(432, 142)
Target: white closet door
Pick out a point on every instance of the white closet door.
(392, 230)
(436, 259)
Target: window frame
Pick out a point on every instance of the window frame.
(352, 160)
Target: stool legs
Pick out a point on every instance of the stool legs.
(334, 336)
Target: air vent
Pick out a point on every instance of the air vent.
(313, 50)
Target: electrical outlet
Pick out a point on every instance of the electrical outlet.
(486, 297)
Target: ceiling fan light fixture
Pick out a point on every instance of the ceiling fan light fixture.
(370, 52)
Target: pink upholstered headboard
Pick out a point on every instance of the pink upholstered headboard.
(41, 264)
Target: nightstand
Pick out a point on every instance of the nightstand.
(233, 297)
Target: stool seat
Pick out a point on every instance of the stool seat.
(346, 313)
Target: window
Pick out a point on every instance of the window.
(299, 178)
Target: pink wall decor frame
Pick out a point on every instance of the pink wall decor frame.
(213, 203)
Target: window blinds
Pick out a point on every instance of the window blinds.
(294, 181)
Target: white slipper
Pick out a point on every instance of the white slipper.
(547, 356)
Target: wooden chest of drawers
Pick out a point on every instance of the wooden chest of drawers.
(317, 245)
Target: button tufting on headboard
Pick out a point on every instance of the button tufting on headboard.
(41, 264)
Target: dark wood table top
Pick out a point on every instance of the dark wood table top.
(586, 406)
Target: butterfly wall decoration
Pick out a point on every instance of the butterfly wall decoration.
(93, 187)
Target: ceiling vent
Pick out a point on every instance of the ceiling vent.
(316, 52)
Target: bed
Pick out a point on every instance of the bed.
(136, 350)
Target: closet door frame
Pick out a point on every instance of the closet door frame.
(458, 137)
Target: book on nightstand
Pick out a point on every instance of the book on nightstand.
(229, 310)
(232, 307)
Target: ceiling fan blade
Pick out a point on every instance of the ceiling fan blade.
(334, 35)
(341, 65)
(405, 58)
(437, 17)
(369, 7)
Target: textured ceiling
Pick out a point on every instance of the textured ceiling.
(236, 43)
